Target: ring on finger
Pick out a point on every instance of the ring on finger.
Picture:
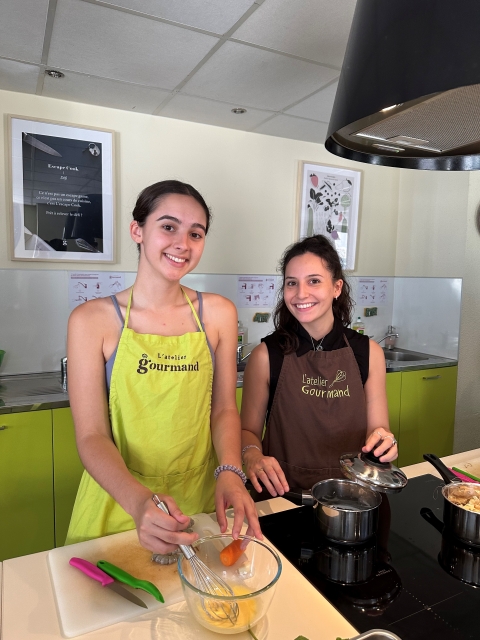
(393, 439)
(260, 469)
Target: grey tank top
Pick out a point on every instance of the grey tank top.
(110, 362)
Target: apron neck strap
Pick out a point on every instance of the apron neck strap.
(127, 314)
(197, 319)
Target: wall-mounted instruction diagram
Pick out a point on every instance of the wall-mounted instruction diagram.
(88, 285)
(372, 291)
(256, 291)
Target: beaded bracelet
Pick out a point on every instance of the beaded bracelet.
(230, 467)
(249, 446)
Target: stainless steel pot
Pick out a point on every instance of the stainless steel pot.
(456, 558)
(462, 523)
(346, 512)
(346, 565)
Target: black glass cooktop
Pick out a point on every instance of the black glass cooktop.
(412, 578)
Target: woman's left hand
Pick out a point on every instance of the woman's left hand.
(383, 444)
(230, 491)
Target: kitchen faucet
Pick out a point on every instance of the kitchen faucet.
(241, 358)
(390, 334)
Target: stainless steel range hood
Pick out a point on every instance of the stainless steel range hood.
(409, 89)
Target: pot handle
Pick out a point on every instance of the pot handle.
(300, 496)
(448, 476)
(428, 515)
(297, 496)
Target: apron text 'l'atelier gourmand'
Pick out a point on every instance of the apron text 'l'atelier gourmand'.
(160, 402)
(318, 413)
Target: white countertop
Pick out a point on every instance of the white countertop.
(28, 609)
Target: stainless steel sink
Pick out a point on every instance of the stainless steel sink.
(404, 356)
(29, 386)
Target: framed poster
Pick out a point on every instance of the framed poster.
(62, 192)
(328, 203)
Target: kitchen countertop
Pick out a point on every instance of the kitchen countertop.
(430, 362)
(32, 392)
(38, 391)
(29, 611)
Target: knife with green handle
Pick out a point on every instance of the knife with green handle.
(126, 578)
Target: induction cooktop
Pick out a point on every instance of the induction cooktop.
(412, 578)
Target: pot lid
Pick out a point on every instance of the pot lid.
(368, 471)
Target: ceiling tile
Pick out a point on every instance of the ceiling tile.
(318, 106)
(18, 76)
(257, 78)
(212, 15)
(317, 29)
(104, 42)
(22, 29)
(296, 128)
(210, 112)
(106, 93)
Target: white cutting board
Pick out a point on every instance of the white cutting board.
(83, 605)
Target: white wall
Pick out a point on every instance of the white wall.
(436, 237)
(412, 223)
(248, 179)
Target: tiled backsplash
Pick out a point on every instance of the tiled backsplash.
(34, 312)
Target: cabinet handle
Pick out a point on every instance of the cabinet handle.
(431, 377)
(3, 427)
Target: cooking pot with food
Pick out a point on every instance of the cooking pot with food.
(346, 510)
(461, 505)
(456, 558)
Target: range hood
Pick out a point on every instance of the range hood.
(409, 90)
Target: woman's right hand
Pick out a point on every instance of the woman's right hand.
(159, 532)
(265, 469)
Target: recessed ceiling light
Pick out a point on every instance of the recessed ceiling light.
(239, 110)
(54, 74)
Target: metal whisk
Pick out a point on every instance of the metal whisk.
(207, 581)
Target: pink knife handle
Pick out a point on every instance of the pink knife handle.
(91, 571)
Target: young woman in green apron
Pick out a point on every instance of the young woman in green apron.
(319, 385)
(151, 381)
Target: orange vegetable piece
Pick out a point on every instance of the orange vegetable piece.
(231, 553)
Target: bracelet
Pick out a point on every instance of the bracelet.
(249, 446)
(230, 467)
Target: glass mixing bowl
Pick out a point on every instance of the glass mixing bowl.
(252, 578)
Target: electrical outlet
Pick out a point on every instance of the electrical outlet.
(368, 312)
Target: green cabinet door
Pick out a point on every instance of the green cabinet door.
(26, 483)
(427, 413)
(394, 388)
(67, 471)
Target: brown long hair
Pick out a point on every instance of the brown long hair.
(342, 308)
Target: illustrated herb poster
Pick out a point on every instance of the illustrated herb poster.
(328, 205)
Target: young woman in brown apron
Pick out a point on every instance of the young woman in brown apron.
(319, 385)
(151, 382)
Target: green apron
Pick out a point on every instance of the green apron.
(159, 404)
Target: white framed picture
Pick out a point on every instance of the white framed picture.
(62, 192)
(328, 204)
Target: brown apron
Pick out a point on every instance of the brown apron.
(318, 413)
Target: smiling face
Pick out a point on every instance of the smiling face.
(309, 291)
(173, 236)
